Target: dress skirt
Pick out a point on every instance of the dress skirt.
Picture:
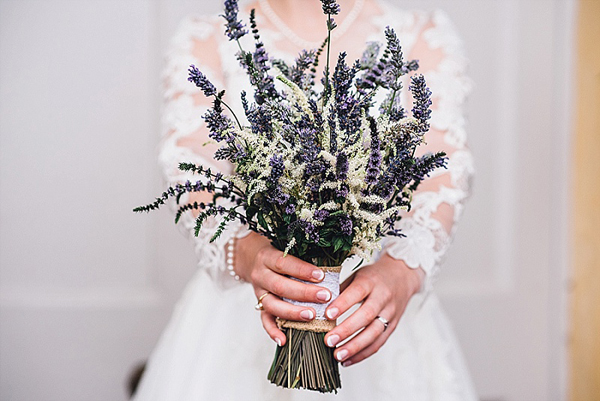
(214, 348)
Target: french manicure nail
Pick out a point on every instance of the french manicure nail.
(341, 355)
(323, 295)
(346, 364)
(318, 274)
(278, 341)
(306, 314)
(332, 313)
(332, 340)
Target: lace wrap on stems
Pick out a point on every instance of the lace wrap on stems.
(185, 137)
(438, 203)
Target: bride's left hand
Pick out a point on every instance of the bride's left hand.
(384, 288)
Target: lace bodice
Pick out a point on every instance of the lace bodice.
(427, 36)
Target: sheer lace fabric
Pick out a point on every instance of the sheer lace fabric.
(185, 138)
(438, 203)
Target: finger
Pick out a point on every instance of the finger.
(362, 317)
(344, 284)
(292, 266)
(292, 289)
(367, 351)
(374, 333)
(270, 326)
(374, 346)
(356, 292)
(285, 310)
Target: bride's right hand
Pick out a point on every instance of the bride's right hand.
(259, 263)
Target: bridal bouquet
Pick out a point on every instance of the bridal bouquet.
(318, 171)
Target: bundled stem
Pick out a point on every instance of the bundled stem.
(304, 361)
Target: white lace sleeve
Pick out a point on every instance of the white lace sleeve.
(185, 135)
(438, 203)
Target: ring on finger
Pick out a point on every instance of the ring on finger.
(259, 305)
(384, 321)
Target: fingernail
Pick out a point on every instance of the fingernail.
(332, 313)
(307, 314)
(323, 295)
(278, 341)
(341, 355)
(332, 340)
(318, 274)
(346, 364)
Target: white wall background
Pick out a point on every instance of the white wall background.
(86, 286)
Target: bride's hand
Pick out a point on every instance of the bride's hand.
(259, 263)
(384, 289)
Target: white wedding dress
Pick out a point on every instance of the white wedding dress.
(214, 347)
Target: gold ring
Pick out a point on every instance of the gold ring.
(263, 296)
(259, 305)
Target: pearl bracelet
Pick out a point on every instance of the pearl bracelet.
(230, 259)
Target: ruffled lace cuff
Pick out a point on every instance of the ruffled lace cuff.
(212, 256)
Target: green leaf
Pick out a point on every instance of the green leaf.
(347, 243)
(261, 220)
(324, 242)
(338, 243)
(251, 212)
(338, 213)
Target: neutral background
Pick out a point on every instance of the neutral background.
(86, 286)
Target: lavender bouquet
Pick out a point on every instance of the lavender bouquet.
(317, 171)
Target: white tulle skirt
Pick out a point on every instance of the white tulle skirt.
(214, 348)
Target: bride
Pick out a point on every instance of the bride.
(215, 347)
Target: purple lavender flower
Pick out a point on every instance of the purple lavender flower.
(332, 133)
(330, 7)
(260, 118)
(342, 77)
(256, 65)
(425, 165)
(422, 101)
(395, 65)
(375, 157)
(346, 225)
(217, 123)
(234, 153)
(311, 231)
(234, 28)
(290, 208)
(201, 81)
(371, 78)
(392, 106)
(318, 116)
(412, 65)
(341, 166)
(277, 169)
(390, 67)
(277, 196)
(297, 73)
(342, 192)
(321, 214)
(369, 56)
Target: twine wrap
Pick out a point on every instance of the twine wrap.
(319, 324)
